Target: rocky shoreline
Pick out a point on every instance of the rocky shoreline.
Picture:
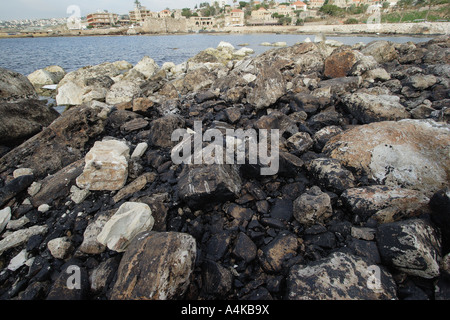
(93, 207)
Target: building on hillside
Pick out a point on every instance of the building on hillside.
(201, 23)
(138, 15)
(299, 5)
(165, 14)
(102, 19)
(261, 14)
(283, 10)
(236, 18)
(316, 3)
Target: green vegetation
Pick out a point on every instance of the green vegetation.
(331, 10)
(351, 21)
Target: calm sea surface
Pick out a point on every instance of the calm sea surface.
(25, 55)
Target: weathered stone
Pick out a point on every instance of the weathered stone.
(205, 183)
(139, 150)
(59, 247)
(161, 130)
(102, 275)
(276, 120)
(371, 108)
(129, 220)
(147, 66)
(339, 64)
(383, 51)
(106, 166)
(322, 136)
(61, 143)
(49, 75)
(312, 207)
(19, 237)
(422, 82)
(269, 87)
(409, 153)
(135, 186)
(57, 186)
(21, 120)
(385, 204)
(217, 279)
(14, 187)
(329, 174)
(245, 248)
(15, 86)
(412, 246)
(156, 266)
(122, 91)
(340, 276)
(5, 216)
(78, 195)
(90, 244)
(300, 142)
(274, 255)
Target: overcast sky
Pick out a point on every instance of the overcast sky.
(35, 9)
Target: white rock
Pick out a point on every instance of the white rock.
(34, 188)
(21, 236)
(22, 172)
(279, 44)
(41, 77)
(90, 243)
(248, 77)
(43, 208)
(17, 224)
(131, 219)
(122, 91)
(5, 216)
(225, 46)
(139, 151)
(59, 247)
(147, 66)
(18, 261)
(106, 166)
(78, 195)
(69, 94)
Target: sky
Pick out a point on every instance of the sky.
(41, 9)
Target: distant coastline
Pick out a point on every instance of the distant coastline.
(401, 29)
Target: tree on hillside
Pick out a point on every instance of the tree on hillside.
(331, 10)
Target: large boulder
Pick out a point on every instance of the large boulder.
(383, 51)
(367, 108)
(89, 83)
(340, 64)
(384, 204)
(21, 120)
(130, 219)
(106, 166)
(412, 246)
(340, 276)
(61, 143)
(200, 184)
(46, 76)
(410, 153)
(15, 86)
(156, 266)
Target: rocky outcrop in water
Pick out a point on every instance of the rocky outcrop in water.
(94, 206)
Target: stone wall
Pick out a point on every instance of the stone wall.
(165, 25)
(425, 28)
